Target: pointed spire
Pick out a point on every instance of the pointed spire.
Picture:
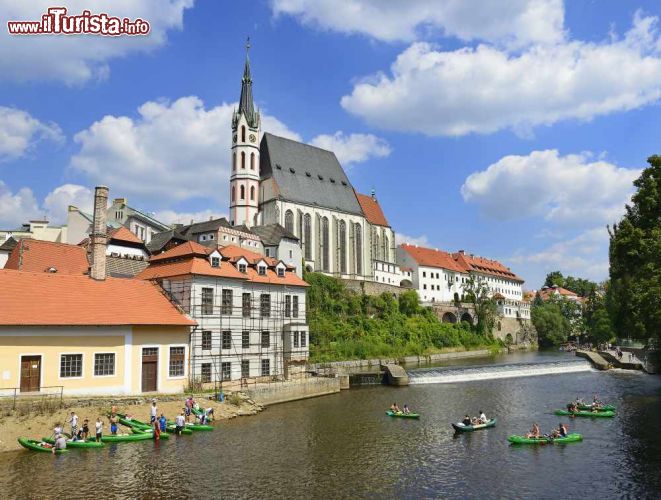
(246, 106)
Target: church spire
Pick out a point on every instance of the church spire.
(246, 106)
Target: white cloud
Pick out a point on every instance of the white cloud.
(75, 59)
(174, 217)
(585, 255)
(421, 241)
(56, 204)
(486, 89)
(513, 22)
(19, 132)
(569, 189)
(16, 208)
(170, 152)
(352, 148)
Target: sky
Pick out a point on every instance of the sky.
(509, 129)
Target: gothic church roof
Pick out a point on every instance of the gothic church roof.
(306, 174)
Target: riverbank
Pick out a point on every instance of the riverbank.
(38, 420)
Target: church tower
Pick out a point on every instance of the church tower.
(244, 179)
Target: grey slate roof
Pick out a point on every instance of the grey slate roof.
(159, 240)
(204, 227)
(271, 234)
(9, 244)
(306, 174)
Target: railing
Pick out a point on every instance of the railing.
(15, 394)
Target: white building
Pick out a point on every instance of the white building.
(250, 310)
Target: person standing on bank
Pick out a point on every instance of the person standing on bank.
(153, 412)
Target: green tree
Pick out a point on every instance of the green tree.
(409, 303)
(477, 293)
(634, 294)
(554, 278)
(552, 327)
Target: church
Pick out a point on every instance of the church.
(279, 181)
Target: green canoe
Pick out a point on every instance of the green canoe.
(601, 408)
(460, 427)
(200, 412)
(127, 438)
(171, 429)
(76, 444)
(35, 445)
(162, 435)
(599, 414)
(569, 438)
(401, 414)
(132, 422)
(194, 427)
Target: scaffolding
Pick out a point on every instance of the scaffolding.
(245, 340)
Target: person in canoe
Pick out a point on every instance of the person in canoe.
(561, 431)
(406, 409)
(394, 408)
(57, 430)
(466, 421)
(572, 408)
(85, 431)
(534, 432)
(60, 443)
(482, 418)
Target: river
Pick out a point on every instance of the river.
(344, 446)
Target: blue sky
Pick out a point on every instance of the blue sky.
(512, 130)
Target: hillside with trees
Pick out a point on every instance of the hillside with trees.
(345, 324)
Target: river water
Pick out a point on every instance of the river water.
(344, 446)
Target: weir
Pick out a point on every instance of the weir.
(489, 372)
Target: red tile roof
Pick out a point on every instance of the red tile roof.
(547, 293)
(40, 256)
(184, 250)
(234, 252)
(485, 266)
(189, 266)
(29, 298)
(123, 234)
(432, 258)
(372, 210)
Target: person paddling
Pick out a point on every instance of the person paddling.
(394, 408)
(466, 421)
(534, 432)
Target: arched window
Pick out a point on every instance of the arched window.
(375, 247)
(343, 247)
(234, 160)
(252, 161)
(243, 133)
(243, 159)
(359, 250)
(289, 221)
(242, 191)
(325, 254)
(307, 236)
(252, 193)
(233, 193)
(386, 248)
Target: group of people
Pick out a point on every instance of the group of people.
(394, 408)
(560, 431)
(482, 419)
(576, 405)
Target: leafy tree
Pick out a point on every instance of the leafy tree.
(409, 303)
(634, 294)
(554, 278)
(552, 327)
(477, 293)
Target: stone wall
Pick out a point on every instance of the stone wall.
(521, 330)
(373, 288)
(282, 392)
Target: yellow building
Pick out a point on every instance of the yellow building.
(109, 336)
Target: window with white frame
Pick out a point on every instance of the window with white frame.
(304, 339)
(205, 373)
(226, 370)
(266, 339)
(266, 367)
(104, 364)
(226, 340)
(176, 368)
(206, 340)
(295, 336)
(245, 368)
(71, 365)
(281, 272)
(261, 270)
(215, 261)
(245, 339)
(294, 306)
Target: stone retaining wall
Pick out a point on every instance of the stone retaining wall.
(282, 392)
(373, 288)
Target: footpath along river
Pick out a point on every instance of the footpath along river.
(344, 446)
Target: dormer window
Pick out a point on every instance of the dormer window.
(281, 272)
(242, 267)
(261, 270)
(215, 261)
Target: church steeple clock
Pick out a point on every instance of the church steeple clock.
(246, 132)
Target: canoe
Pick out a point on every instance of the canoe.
(460, 427)
(35, 445)
(600, 414)
(194, 427)
(132, 422)
(200, 412)
(127, 438)
(601, 408)
(76, 444)
(401, 414)
(569, 438)
(162, 435)
(171, 429)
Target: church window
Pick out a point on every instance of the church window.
(386, 248)
(307, 236)
(243, 159)
(325, 254)
(376, 247)
(234, 161)
(359, 250)
(289, 221)
(343, 247)
(252, 193)
(252, 161)
(233, 193)
(242, 191)
(243, 133)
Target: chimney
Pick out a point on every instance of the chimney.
(461, 252)
(98, 237)
(119, 201)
